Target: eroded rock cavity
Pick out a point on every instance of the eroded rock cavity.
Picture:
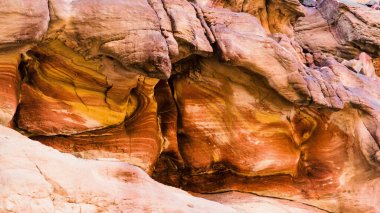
(218, 98)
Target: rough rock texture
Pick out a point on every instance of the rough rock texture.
(282, 15)
(187, 28)
(376, 63)
(363, 65)
(137, 140)
(309, 3)
(72, 93)
(255, 8)
(342, 29)
(262, 50)
(56, 182)
(353, 24)
(276, 16)
(234, 128)
(314, 35)
(22, 22)
(113, 31)
(251, 98)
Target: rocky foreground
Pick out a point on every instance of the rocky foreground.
(37, 178)
(249, 106)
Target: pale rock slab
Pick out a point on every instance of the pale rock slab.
(57, 182)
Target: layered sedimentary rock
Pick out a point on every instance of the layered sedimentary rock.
(232, 41)
(23, 23)
(65, 94)
(225, 122)
(363, 64)
(313, 33)
(256, 8)
(282, 15)
(376, 63)
(231, 135)
(340, 29)
(113, 31)
(353, 24)
(137, 140)
(187, 28)
(275, 16)
(167, 114)
(9, 92)
(58, 182)
(208, 96)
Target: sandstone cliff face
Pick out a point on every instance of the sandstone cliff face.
(267, 97)
(40, 179)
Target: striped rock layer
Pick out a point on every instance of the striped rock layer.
(265, 97)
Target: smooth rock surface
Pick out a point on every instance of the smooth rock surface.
(9, 81)
(57, 182)
(209, 96)
(231, 133)
(137, 140)
(64, 93)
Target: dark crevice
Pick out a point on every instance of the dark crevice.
(173, 167)
(158, 18)
(266, 196)
(24, 78)
(199, 13)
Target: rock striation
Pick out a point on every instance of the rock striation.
(57, 182)
(229, 100)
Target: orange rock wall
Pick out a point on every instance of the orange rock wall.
(267, 97)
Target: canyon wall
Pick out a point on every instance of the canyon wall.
(247, 105)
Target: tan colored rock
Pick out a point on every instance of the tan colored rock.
(257, 8)
(52, 181)
(312, 32)
(166, 27)
(342, 29)
(255, 51)
(263, 50)
(276, 16)
(248, 107)
(362, 65)
(245, 202)
(22, 22)
(309, 59)
(282, 15)
(128, 31)
(187, 29)
(353, 24)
